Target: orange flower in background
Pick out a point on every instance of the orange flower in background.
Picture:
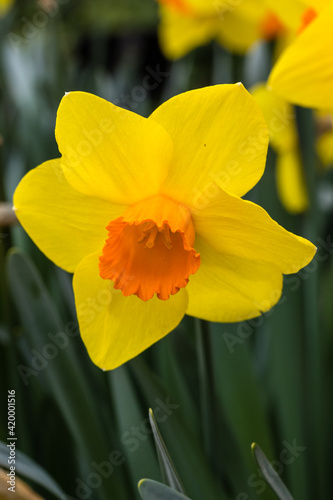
(304, 73)
(186, 24)
(147, 213)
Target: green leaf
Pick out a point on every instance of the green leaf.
(168, 356)
(29, 469)
(53, 349)
(168, 469)
(152, 490)
(270, 474)
(185, 447)
(285, 338)
(133, 427)
(206, 389)
(238, 388)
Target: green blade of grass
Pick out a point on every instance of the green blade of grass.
(133, 427)
(64, 377)
(152, 490)
(270, 474)
(168, 469)
(184, 447)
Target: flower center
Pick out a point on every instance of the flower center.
(149, 250)
(309, 15)
(150, 231)
(179, 5)
(271, 26)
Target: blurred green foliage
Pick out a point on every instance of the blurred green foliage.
(214, 389)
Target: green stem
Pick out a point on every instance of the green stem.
(206, 388)
(314, 358)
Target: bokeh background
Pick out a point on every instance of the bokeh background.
(214, 388)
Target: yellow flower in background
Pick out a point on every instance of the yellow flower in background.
(147, 213)
(294, 14)
(186, 24)
(5, 6)
(324, 141)
(304, 73)
(280, 118)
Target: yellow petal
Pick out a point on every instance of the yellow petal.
(238, 227)
(290, 12)
(5, 6)
(304, 73)
(115, 328)
(207, 7)
(198, 8)
(220, 138)
(291, 183)
(63, 223)
(179, 33)
(110, 152)
(280, 118)
(240, 25)
(229, 288)
(194, 24)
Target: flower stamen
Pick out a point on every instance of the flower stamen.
(151, 255)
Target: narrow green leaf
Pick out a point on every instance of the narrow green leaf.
(270, 474)
(53, 356)
(44, 328)
(169, 361)
(152, 490)
(29, 469)
(185, 447)
(238, 388)
(206, 389)
(133, 427)
(168, 469)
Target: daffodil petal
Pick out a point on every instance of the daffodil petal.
(210, 147)
(229, 288)
(238, 227)
(240, 25)
(280, 118)
(5, 6)
(180, 33)
(115, 328)
(110, 152)
(324, 147)
(291, 182)
(304, 72)
(290, 12)
(63, 223)
(198, 8)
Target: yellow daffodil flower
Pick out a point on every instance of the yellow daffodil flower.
(147, 213)
(304, 73)
(280, 118)
(292, 13)
(186, 24)
(5, 6)
(324, 142)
